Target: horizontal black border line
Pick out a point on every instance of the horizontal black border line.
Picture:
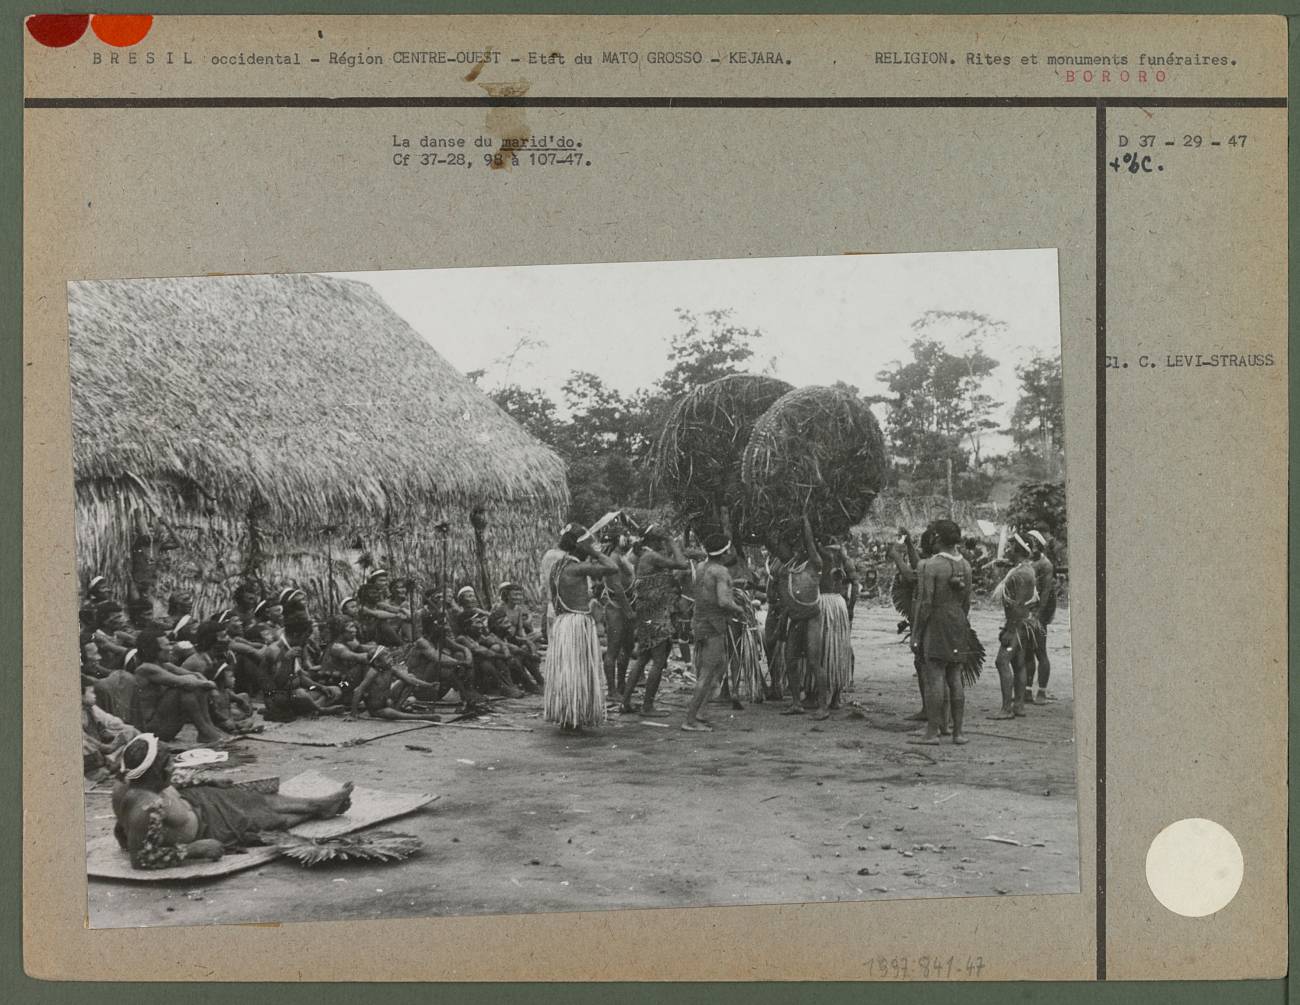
(484, 101)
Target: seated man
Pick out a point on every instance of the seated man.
(167, 697)
(381, 620)
(112, 633)
(438, 660)
(247, 642)
(286, 687)
(377, 690)
(91, 664)
(115, 693)
(102, 734)
(525, 664)
(229, 709)
(161, 825)
(491, 662)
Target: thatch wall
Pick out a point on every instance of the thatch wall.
(304, 402)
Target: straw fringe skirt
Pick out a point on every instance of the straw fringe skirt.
(744, 662)
(837, 653)
(575, 676)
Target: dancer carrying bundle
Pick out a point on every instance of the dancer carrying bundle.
(574, 694)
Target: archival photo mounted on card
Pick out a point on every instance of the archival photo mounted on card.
(511, 475)
(636, 565)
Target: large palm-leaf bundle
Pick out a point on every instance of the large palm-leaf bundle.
(819, 451)
(698, 457)
(380, 846)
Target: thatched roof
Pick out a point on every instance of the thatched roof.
(304, 394)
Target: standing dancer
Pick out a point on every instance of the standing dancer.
(1045, 579)
(774, 627)
(837, 651)
(656, 593)
(714, 607)
(620, 622)
(941, 634)
(1018, 640)
(574, 695)
(803, 633)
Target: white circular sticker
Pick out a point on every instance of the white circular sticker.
(1194, 867)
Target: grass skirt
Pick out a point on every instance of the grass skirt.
(745, 662)
(575, 674)
(837, 653)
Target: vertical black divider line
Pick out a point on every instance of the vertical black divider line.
(1101, 539)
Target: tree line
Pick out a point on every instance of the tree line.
(939, 412)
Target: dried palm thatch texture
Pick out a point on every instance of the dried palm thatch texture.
(697, 459)
(304, 400)
(377, 846)
(817, 450)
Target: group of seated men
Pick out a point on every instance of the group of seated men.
(378, 654)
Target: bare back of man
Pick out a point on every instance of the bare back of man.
(714, 606)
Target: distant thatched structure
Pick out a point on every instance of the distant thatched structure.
(697, 459)
(274, 422)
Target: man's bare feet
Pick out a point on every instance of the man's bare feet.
(626, 710)
(792, 710)
(917, 716)
(338, 803)
(927, 740)
(1004, 713)
(821, 714)
(959, 739)
(698, 726)
(1019, 712)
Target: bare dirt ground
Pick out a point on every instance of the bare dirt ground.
(766, 809)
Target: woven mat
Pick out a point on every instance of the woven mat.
(106, 860)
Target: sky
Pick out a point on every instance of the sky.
(822, 318)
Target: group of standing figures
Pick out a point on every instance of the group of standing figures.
(809, 588)
(933, 591)
(805, 637)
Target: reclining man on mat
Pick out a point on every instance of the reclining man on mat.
(162, 825)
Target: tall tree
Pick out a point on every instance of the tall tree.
(605, 437)
(711, 346)
(939, 408)
(532, 409)
(1038, 421)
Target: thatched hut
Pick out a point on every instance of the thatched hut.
(278, 426)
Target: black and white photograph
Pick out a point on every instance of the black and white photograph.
(582, 587)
